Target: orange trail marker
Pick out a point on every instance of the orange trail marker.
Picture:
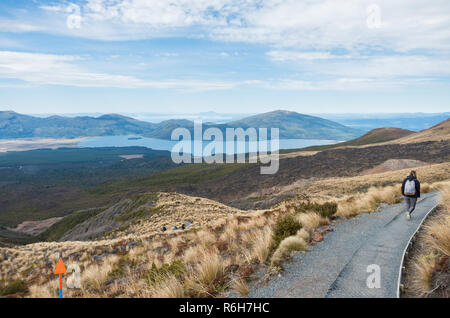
(60, 270)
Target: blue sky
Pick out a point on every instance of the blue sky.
(241, 56)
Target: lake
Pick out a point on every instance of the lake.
(159, 144)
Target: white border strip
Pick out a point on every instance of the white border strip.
(407, 245)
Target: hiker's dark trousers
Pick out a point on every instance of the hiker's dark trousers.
(410, 204)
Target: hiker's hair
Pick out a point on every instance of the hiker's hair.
(413, 174)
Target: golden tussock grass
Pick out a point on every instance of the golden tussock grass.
(286, 247)
(206, 238)
(342, 187)
(423, 269)
(437, 232)
(240, 286)
(46, 290)
(311, 221)
(369, 201)
(435, 238)
(438, 237)
(168, 288)
(94, 277)
(303, 234)
(210, 269)
(262, 244)
(193, 254)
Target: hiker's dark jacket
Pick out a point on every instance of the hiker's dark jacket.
(417, 195)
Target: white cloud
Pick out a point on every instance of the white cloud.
(319, 25)
(371, 74)
(284, 56)
(58, 8)
(344, 84)
(304, 34)
(327, 24)
(19, 27)
(50, 69)
(392, 66)
(167, 54)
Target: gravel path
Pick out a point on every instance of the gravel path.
(337, 266)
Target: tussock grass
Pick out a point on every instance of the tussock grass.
(286, 247)
(206, 238)
(436, 246)
(47, 290)
(369, 201)
(445, 194)
(240, 286)
(263, 243)
(439, 235)
(311, 221)
(168, 288)
(303, 234)
(193, 254)
(424, 267)
(342, 187)
(210, 270)
(426, 188)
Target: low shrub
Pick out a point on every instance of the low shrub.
(120, 268)
(158, 274)
(327, 209)
(14, 287)
(286, 226)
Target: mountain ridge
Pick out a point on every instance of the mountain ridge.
(374, 136)
(438, 132)
(292, 125)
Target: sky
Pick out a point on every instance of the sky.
(240, 56)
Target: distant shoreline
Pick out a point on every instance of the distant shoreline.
(37, 143)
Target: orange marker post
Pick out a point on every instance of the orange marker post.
(60, 270)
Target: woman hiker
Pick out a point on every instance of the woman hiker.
(411, 192)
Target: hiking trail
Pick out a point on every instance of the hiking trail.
(337, 266)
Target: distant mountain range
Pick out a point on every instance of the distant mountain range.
(292, 125)
(410, 121)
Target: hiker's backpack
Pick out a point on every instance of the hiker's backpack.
(410, 187)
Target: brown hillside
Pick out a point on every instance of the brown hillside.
(381, 135)
(375, 136)
(438, 132)
(395, 164)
